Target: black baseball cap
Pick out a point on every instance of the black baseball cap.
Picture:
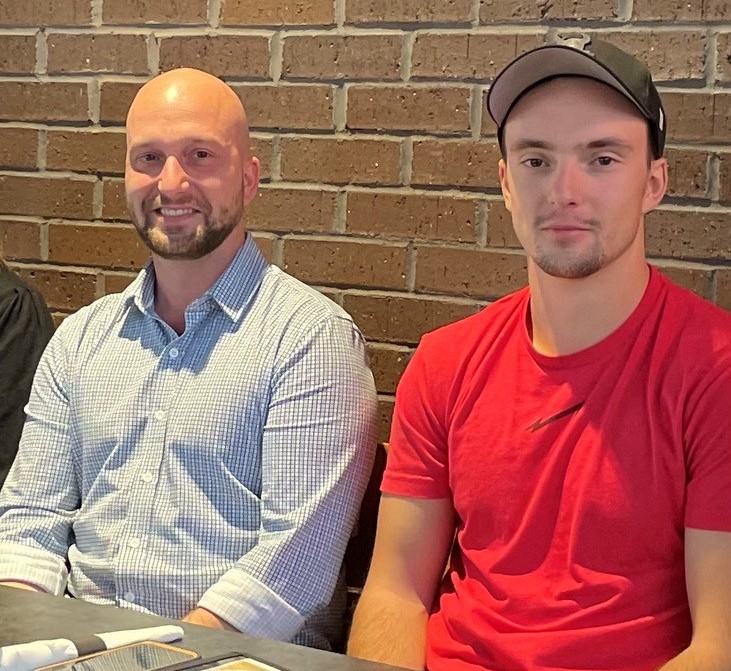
(581, 56)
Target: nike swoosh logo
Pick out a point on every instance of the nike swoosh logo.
(540, 423)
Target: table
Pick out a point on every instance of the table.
(27, 616)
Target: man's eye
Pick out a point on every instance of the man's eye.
(534, 162)
(149, 158)
(201, 153)
(605, 160)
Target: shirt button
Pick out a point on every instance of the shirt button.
(134, 542)
(159, 415)
(174, 353)
(147, 477)
(130, 596)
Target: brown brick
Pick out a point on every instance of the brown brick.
(20, 240)
(723, 288)
(120, 54)
(336, 161)
(716, 10)
(342, 56)
(17, 53)
(116, 97)
(687, 173)
(388, 363)
(96, 245)
(407, 11)
(277, 12)
(500, 232)
(723, 71)
(690, 116)
(115, 283)
(488, 128)
(469, 272)
(261, 147)
(443, 109)
(346, 263)
(18, 148)
(125, 12)
(456, 162)
(402, 319)
(290, 210)
(63, 289)
(725, 177)
(698, 280)
(411, 215)
(668, 10)
(224, 55)
(290, 106)
(114, 203)
(86, 152)
(43, 101)
(266, 243)
(44, 196)
(689, 234)
(465, 55)
(670, 56)
(45, 13)
(533, 10)
(721, 117)
(385, 414)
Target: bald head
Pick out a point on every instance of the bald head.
(193, 94)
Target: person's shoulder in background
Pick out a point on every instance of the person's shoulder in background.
(26, 327)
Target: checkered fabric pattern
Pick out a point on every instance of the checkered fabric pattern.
(222, 468)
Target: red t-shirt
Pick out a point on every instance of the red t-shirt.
(572, 478)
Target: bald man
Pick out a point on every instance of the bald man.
(197, 446)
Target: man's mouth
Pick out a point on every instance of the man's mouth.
(175, 211)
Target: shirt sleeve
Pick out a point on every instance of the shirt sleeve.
(417, 463)
(40, 497)
(25, 328)
(708, 449)
(317, 452)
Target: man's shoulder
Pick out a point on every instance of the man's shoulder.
(289, 298)
(695, 317)
(487, 324)
(98, 314)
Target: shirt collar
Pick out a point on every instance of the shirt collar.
(232, 291)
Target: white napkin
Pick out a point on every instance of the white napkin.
(29, 656)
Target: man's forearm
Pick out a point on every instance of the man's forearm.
(697, 658)
(21, 585)
(390, 630)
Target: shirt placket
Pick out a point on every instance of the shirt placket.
(145, 493)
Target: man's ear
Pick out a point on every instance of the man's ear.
(502, 170)
(251, 180)
(657, 184)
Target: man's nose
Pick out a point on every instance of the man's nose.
(172, 176)
(567, 183)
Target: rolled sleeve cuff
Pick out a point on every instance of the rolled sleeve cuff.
(22, 563)
(251, 607)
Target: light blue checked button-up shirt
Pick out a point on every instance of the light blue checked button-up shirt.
(222, 468)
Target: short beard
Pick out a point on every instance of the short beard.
(571, 269)
(205, 239)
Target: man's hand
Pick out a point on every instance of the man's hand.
(205, 618)
(21, 585)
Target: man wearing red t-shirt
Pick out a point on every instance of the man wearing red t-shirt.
(572, 442)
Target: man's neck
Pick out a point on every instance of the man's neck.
(179, 282)
(569, 315)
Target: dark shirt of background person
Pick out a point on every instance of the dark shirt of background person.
(25, 329)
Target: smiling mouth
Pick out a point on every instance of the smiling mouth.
(175, 211)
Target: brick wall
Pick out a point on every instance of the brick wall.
(379, 161)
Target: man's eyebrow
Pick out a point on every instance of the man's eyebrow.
(529, 143)
(609, 143)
